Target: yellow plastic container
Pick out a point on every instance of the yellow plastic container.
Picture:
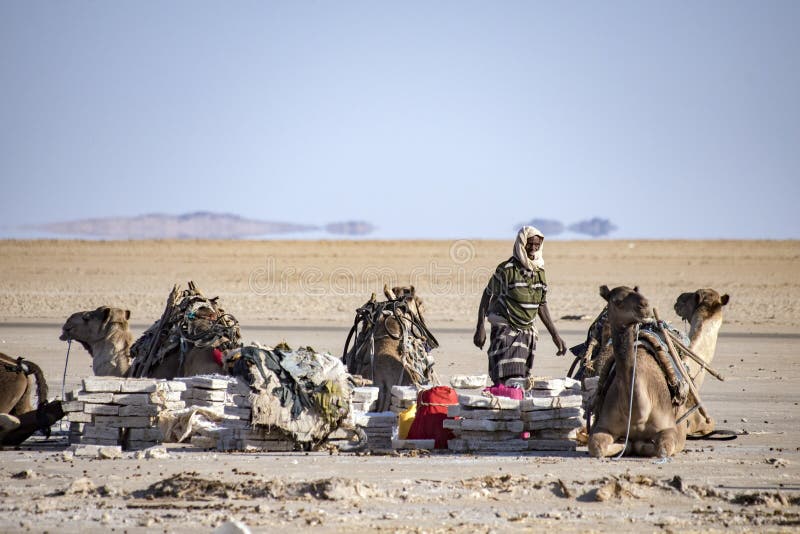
(404, 421)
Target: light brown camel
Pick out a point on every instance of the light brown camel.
(105, 334)
(703, 310)
(18, 418)
(653, 431)
(402, 314)
(16, 385)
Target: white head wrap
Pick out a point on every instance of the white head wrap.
(525, 233)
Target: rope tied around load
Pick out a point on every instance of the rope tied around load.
(416, 340)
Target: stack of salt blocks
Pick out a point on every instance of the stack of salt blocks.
(378, 426)
(230, 399)
(403, 398)
(547, 419)
(119, 411)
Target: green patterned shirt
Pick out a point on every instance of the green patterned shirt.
(517, 293)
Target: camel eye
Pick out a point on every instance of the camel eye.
(85, 317)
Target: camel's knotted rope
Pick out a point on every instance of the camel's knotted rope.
(633, 389)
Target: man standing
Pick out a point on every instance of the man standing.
(514, 296)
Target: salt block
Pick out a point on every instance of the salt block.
(546, 403)
(572, 422)
(138, 385)
(102, 432)
(548, 383)
(140, 445)
(85, 450)
(110, 452)
(551, 445)
(217, 395)
(496, 403)
(241, 413)
(267, 446)
(463, 445)
(96, 398)
(413, 444)
(374, 419)
(486, 425)
(488, 436)
(405, 392)
(97, 384)
(571, 383)
(549, 415)
(98, 441)
(123, 422)
(495, 415)
(79, 417)
(145, 434)
(556, 433)
(145, 410)
(469, 381)
(101, 409)
(365, 394)
(174, 385)
(132, 399)
(72, 406)
(209, 382)
(538, 393)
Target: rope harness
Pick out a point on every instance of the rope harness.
(415, 340)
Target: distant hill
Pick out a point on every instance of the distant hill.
(594, 227)
(197, 225)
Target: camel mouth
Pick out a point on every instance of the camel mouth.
(64, 335)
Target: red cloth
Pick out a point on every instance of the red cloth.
(502, 390)
(431, 412)
(217, 354)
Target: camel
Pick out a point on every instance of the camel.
(105, 334)
(703, 310)
(651, 425)
(385, 368)
(18, 419)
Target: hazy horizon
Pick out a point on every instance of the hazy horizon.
(430, 121)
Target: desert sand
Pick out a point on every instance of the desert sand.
(305, 292)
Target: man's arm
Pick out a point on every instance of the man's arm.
(480, 330)
(544, 313)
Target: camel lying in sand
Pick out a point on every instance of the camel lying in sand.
(401, 319)
(651, 425)
(18, 419)
(105, 334)
(703, 310)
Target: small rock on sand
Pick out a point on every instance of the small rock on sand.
(232, 527)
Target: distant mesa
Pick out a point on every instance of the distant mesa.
(197, 225)
(595, 227)
(548, 227)
(350, 228)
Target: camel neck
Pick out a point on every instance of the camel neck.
(703, 334)
(623, 340)
(110, 357)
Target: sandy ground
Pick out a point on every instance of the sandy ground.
(305, 293)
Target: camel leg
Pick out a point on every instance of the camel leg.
(602, 444)
(698, 424)
(663, 445)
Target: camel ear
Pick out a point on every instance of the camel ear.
(604, 292)
(412, 290)
(724, 299)
(636, 289)
(698, 297)
(389, 293)
(115, 315)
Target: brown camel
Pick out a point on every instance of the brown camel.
(16, 384)
(105, 334)
(18, 419)
(703, 310)
(651, 427)
(402, 318)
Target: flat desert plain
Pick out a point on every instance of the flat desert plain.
(305, 293)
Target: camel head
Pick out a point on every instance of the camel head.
(407, 294)
(90, 327)
(705, 302)
(104, 334)
(626, 306)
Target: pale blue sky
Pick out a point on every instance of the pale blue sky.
(428, 119)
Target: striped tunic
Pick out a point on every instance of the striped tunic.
(516, 295)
